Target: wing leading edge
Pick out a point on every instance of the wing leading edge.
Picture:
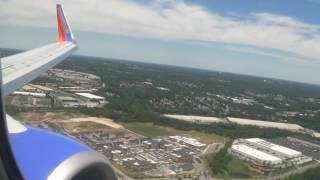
(22, 68)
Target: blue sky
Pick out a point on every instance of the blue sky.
(274, 38)
(305, 10)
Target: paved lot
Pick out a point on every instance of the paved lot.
(307, 148)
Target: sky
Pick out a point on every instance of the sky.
(273, 38)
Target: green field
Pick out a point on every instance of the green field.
(152, 130)
(236, 168)
(147, 129)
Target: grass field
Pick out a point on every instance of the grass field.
(236, 168)
(147, 129)
(152, 130)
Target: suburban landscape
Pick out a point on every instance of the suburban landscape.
(155, 121)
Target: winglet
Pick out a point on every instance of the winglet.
(64, 29)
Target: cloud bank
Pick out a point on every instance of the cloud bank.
(172, 20)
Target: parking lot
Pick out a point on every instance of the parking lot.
(307, 148)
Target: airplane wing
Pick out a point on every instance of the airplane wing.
(22, 68)
(41, 154)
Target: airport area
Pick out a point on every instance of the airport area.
(61, 88)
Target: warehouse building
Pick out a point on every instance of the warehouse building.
(30, 99)
(255, 156)
(41, 89)
(278, 150)
(188, 141)
(266, 124)
(92, 97)
(308, 148)
(267, 155)
(22, 93)
(33, 88)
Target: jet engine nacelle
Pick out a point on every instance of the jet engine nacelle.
(42, 154)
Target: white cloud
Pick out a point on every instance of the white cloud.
(263, 52)
(251, 50)
(173, 19)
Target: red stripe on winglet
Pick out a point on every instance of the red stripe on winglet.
(61, 30)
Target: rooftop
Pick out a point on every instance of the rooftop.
(66, 98)
(44, 88)
(255, 153)
(275, 147)
(29, 94)
(278, 125)
(90, 96)
(187, 140)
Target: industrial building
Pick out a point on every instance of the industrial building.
(36, 88)
(70, 74)
(274, 148)
(67, 101)
(30, 99)
(266, 124)
(255, 156)
(74, 78)
(23, 93)
(42, 89)
(309, 148)
(77, 89)
(69, 89)
(188, 141)
(92, 97)
(266, 155)
(70, 100)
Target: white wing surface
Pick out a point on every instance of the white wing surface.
(22, 68)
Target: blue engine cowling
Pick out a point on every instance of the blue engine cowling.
(42, 154)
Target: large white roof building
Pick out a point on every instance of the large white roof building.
(187, 140)
(29, 94)
(90, 96)
(265, 155)
(266, 124)
(255, 154)
(289, 153)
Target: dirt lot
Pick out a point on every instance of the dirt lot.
(67, 118)
(104, 121)
(44, 116)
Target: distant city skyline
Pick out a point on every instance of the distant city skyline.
(277, 39)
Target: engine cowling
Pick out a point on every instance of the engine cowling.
(42, 154)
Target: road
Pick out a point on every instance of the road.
(298, 170)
